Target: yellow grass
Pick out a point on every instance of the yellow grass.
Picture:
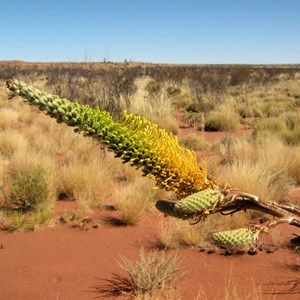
(158, 108)
(174, 233)
(268, 152)
(88, 183)
(9, 118)
(223, 118)
(10, 142)
(256, 179)
(134, 199)
(194, 142)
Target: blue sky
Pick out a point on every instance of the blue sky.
(165, 31)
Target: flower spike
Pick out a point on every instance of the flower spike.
(132, 138)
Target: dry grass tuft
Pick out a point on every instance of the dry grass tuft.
(232, 291)
(277, 238)
(148, 278)
(134, 199)
(294, 168)
(89, 183)
(152, 101)
(8, 119)
(175, 233)
(10, 142)
(222, 119)
(194, 142)
(256, 166)
(169, 124)
(291, 137)
(271, 124)
(268, 152)
(257, 179)
(291, 119)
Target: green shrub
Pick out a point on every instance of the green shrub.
(222, 120)
(193, 108)
(194, 119)
(26, 190)
(194, 142)
(173, 91)
(154, 88)
(17, 220)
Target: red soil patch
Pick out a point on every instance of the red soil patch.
(214, 136)
(69, 263)
(209, 136)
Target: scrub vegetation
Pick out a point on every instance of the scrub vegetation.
(42, 161)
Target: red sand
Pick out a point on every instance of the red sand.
(68, 263)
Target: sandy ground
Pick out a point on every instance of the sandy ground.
(69, 263)
(63, 263)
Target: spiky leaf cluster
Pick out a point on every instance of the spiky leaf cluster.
(236, 239)
(196, 205)
(134, 139)
(200, 202)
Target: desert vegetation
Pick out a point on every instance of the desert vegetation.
(42, 161)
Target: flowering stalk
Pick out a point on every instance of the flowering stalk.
(132, 138)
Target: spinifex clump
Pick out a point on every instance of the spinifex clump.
(134, 139)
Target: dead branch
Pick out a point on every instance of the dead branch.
(233, 203)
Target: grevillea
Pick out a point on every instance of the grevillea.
(132, 138)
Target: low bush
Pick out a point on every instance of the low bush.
(194, 142)
(26, 191)
(194, 119)
(222, 120)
